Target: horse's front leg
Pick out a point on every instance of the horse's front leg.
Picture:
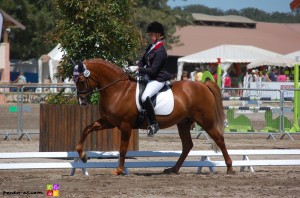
(125, 137)
(98, 125)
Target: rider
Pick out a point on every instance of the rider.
(152, 66)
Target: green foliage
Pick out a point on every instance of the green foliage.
(61, 98)
(95, 98)
(102, 29)
(39, 19)
(147, 11)
(108, 29)
(71, 99)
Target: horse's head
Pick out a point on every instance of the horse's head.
(85, 83)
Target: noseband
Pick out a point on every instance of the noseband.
(89, 89)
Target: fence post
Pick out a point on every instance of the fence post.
(19, 109)
(281, 123)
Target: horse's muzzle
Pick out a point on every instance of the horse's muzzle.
(83, 101)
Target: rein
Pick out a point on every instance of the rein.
(96, 89)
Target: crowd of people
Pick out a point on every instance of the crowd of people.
(233, 80)
(274, 75)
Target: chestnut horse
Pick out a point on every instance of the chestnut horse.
(193, 102)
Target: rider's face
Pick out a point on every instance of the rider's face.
(153, 37)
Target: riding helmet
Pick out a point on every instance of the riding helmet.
(156, 27)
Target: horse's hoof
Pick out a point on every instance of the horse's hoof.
(231, 172)
(84, 158)
(117, 172)
(170, 171)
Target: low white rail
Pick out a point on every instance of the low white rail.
(203, 161)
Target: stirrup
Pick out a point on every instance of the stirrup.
(152, 129)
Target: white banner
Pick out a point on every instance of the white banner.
(271, 85)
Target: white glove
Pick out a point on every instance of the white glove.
(133, 69)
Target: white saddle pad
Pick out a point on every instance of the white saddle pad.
(164, 102)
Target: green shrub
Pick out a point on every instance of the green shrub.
(62, 99)
(95, 98)
(65, 98)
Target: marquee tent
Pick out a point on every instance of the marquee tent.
(280, 62)
(293, 55)
(228, 53)
(48, 64)
(288, 60)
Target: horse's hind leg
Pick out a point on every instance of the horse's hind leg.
(219, 140)
(187, 144)
(98, 125)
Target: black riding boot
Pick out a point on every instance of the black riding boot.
(153, 128)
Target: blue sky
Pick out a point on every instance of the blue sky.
(265, 5)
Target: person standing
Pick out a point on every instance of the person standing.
(272, 75)
(199, 75)
(281, 77)
(152, 66)
(227, 83)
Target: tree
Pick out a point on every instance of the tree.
(102, 29)
(39, 19)
(147, 11)
(111, 30)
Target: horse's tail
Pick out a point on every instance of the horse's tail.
(218, 107)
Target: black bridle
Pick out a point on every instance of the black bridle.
(91, 90)
(89, 77)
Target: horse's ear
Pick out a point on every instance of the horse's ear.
(72, 62)
(80, 67)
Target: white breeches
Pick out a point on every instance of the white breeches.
(152, 88)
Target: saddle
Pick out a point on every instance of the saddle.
(163, 101)
(142, 83)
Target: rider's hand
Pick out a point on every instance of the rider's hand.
(133, 69)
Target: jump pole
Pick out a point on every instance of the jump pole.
(219, 72)
(296, 127)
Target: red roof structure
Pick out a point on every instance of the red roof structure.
(277, 37)
(295, 4)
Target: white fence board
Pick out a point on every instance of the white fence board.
(204, 161)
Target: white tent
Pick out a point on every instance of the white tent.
(228, 53)
(48, 64)
(280, 62)
(294, 56)
(288, 60)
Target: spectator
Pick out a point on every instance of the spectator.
(252, 77)
(264, 77)
(193, 74)
(227, 83)
(185, 75)
(21, 79)
(281, 77)
(272, 75)
(255, 75)
(199, 75)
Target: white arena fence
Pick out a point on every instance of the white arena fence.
(264, 111)
(245, 159)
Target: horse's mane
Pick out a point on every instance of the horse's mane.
(112, 66)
